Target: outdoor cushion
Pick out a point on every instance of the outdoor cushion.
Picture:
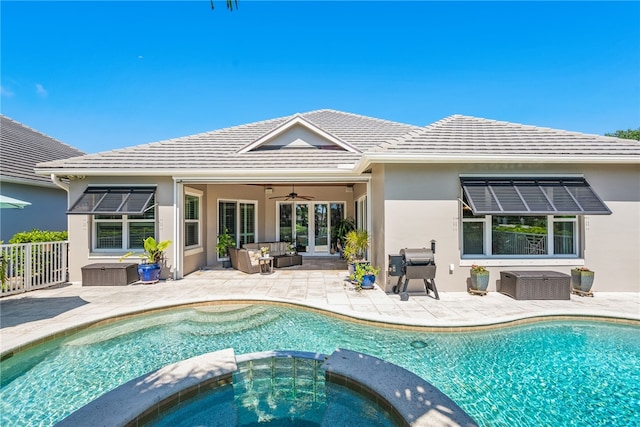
(254, 257)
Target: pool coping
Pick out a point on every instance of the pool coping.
(415, 400)
(147, 395)
(410, 399)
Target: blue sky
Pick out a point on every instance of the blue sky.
(102, 75)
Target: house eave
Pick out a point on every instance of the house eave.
(371, 158)
(30, 182)
(204, 173)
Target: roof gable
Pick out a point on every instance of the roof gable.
(223, 152)
(298, 133)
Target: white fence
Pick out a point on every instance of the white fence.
(29, 266)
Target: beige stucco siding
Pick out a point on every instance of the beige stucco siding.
(420, 204)
(80, 226)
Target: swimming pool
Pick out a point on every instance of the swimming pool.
(550, 373)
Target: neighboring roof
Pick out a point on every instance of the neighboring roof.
(22, 147)
(463, 138)
(231, 149)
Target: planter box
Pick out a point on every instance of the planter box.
(523, 285)
(109, 274)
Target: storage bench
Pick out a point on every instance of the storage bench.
(523, 285)
(109, 274)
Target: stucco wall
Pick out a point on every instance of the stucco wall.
(80, 226)
(420, 204)
(47, 210)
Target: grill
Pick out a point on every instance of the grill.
(414, 264)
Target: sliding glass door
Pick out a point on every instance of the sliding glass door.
(239, 218)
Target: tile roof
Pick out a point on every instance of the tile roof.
(453, 138)
(23, 147)
(460, 135)
(220, 150)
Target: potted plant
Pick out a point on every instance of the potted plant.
(355, 246)
(339, 232)
(264, 251)
(291, 249)
(479, 278)
(364, 275)
(152, 259)
(225, 241)
(582, 279)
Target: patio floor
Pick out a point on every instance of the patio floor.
(32, 316)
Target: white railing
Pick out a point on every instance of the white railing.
(28, 266)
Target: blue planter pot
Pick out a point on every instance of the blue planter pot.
(368, 280)
(149, 273)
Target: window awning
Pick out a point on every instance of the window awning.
(114, 201)
(532, 196)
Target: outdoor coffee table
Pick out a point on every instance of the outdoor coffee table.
(266, 265)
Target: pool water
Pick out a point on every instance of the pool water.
(277, 392)
(551, 373)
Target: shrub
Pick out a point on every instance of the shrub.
(36, 235)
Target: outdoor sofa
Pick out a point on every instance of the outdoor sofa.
(247, 258)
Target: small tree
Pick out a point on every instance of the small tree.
(626, 134)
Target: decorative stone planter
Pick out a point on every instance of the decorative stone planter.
(479, 281)
(582, 280)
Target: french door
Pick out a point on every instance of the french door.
(308, 224)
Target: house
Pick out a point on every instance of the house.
(21, 148)
(504, 195)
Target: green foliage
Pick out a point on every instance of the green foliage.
(225, 240)
(626, 134)
(4, 266)
(479, 269)
(525, 229)
(36, 235)
(362, 269)
(339, 231)
(153, 251)
(230, 4)
(356, 243)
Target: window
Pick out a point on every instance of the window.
(507, 217)
(239, 218)
(123, 232)
(191, 220)
(518, 235)
(361, 213)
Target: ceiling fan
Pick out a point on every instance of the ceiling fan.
(293, 195)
